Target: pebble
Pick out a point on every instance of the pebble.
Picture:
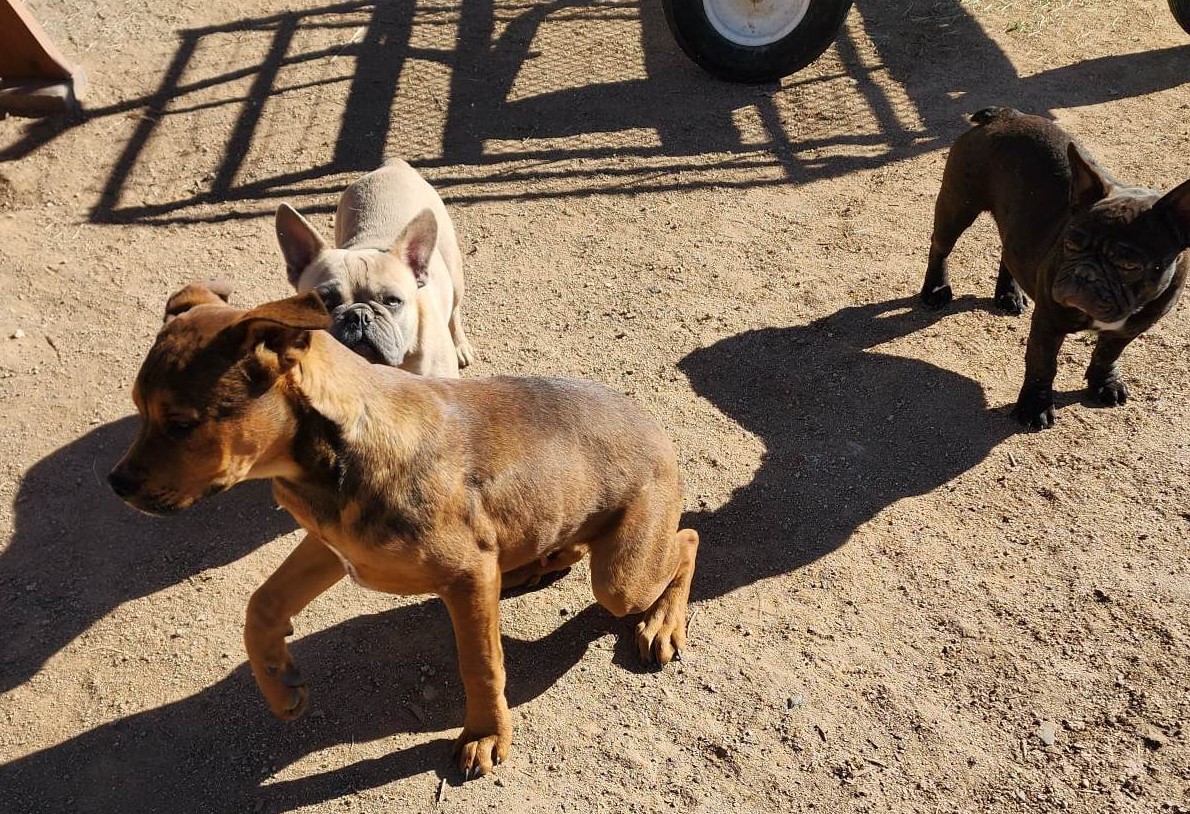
(1152, 737)
(1048, 732)
(17, 334)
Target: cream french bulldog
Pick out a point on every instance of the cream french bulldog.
(393, 282)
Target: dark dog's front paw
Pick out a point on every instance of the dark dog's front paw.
(1035, 410)
(936, 296)
(1012, 302)
(1111, 393)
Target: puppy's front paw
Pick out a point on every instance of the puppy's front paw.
(282, 686)
(478, 752)
(1111, 393)
(936, 296)
(1035, 409)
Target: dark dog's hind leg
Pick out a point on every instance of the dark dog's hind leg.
(1009, 296)
(952, 216)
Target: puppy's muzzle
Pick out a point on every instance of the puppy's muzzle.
(124, 482)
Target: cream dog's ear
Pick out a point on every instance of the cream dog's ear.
(416, 245)
(212, 292)
(300, 242)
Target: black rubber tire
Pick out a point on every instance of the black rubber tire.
(1181, 13)
(740, 63)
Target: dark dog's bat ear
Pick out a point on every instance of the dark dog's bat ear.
(282, 326)
(300, 242)
(212, 292)
(1088, 183)
(415, 246)
(1176, 206)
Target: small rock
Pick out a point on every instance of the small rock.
(1152, 737)
(17, 334)
(1048, 732)
(795, 701)
(1100, 595)
(501, 782)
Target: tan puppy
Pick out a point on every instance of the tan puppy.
(394, 281)
(410, 485)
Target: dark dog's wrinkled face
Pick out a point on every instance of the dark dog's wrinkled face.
(370, 293)
(1119, 251)
(207, 398)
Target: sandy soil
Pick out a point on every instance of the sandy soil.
(897, 590)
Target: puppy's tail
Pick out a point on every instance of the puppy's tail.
(989, 114)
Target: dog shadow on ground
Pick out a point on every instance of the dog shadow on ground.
(220, 749)
(848, 431)
(77, 552)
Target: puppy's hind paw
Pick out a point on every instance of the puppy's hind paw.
(1012, 302)
(936, 296)
(661, 635)
(1111, 393)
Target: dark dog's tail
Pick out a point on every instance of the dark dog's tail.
(989, 114)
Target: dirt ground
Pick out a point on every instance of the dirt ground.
(898, 593)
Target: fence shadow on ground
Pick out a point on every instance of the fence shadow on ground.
(522, 100)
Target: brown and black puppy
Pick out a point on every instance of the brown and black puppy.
(410, 485)
(1092, 253)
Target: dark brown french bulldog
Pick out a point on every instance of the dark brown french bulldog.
(1092, 253)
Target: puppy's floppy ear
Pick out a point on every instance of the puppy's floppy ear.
(212, 292)
(1175, 205)
(282, 327)
(300, 242)
(1088, 183)
(416, 245)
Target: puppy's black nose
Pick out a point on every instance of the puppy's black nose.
(123, 483)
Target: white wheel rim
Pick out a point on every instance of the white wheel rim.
(754, 23)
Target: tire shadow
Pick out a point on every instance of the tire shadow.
(848, 432)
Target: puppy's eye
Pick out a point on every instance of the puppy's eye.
(178, 428)
(392, 300)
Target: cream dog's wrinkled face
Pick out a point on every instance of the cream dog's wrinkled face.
(371, 293)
